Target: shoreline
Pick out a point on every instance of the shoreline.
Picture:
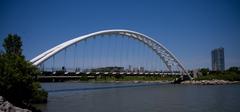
(130, 81)
(209, 82)
(190, 82)
(6, 106)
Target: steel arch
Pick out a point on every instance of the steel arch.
(167, 57)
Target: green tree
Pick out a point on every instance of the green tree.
(204, 71)
(233, 69)
(12, 45)
(17, 76)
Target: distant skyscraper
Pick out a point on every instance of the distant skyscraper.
(218, 59)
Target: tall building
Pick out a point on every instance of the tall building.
(218, 59)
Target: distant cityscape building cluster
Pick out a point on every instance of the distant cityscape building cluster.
(218, 63)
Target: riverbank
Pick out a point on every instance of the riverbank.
(209, 82)
(123, 81)
(193, 82)
(6, 106)
(203, 80)
(134, 81)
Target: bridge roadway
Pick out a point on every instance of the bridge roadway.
(63, 76)
(62, 73)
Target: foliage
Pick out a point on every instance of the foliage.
(204, 71)
(39, 96)
(84, 78)
(233, 69)
(138, 78)
(12, 45)
(230, 75)
(17, 76)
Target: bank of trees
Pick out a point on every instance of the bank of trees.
(231, 74)
(17, 76)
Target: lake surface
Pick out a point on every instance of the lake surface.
(129, 97)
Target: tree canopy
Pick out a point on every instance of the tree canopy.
(13, 45)
(17, 76)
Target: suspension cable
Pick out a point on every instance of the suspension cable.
(107, 52)
(120, 56)
(127, 55)
(83, 53)
(100, 52)
(53, 63)
(93, 53)
(114, 50)
(74, 58)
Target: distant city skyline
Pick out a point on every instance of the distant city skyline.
(188, 28)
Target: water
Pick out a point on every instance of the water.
(127, 97)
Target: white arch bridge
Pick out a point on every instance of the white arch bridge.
(162, 52)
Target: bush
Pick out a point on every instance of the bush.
(17, 82)
(18, 76)
(227, 75)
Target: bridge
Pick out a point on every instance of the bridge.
(109, 52)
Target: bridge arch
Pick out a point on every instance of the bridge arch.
(165, 55)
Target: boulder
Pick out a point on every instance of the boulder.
(209, 82)
(6, 106)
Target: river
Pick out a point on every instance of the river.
(130, 97)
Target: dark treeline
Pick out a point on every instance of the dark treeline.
(232, 74)
(18, 77)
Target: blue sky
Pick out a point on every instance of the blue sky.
(188, 28)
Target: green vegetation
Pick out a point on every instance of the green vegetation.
(84, 78)
(204, 71)
(232, 74)
(138, 78)
(18, 77)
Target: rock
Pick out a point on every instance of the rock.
(209, 82)
(1, 100)
(6, 106)
(136, 81)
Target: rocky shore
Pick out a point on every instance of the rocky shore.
(210, 82)
(131, 81)
(6, 106)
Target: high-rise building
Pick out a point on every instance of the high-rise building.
(218, 59)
